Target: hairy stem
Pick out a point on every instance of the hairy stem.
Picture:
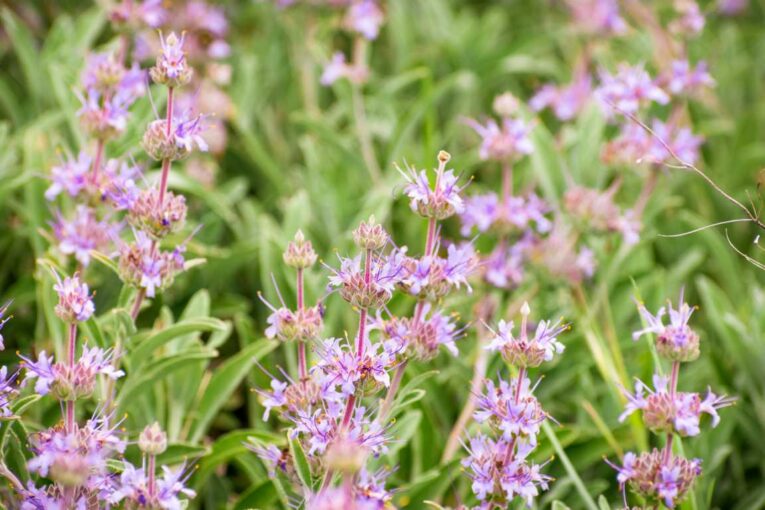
(166, 162)
(97, 161)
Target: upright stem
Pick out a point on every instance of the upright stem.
(152, 479)
(166, 162)
(97, 161)
(137, 303)
(71, 348)
(507, 182)
(479, 374)
(360, 115)
(395, 383)
(672, 391)
(302, 363)
(518, 385)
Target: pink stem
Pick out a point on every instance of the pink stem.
(672, 391)
(152, 480)
(302, 364)
(137, 304)
(387, 404)
(511, 445)
(166, 162)
(97, 161)
(71, 349)
(507, 183)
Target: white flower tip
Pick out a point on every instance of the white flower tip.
(525, 309)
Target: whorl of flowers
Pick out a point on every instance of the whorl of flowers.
(439, 201)
(662, 475)
(498, 463)
(75, 302)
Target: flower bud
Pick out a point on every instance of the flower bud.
(299, 253)
(153, 440)
(505, 105)
(302, 325)
(370, 235)
(171, 68)
(158, 220)
(345, 456)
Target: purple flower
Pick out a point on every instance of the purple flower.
(348, 372)
(8, 391)
(419, 337)
(365, 17)
(75, 302)
(598, 16)
(480, 213)
(667, 411)
(104, 117)
(732, 7)
(71, 176)
(511, 410)
(188, 133)
(523, 350)
(504, 266)
(71, 382)
(684, 79)
(3, 320)
(133, 487)
(439, 201)
(370, 289)
(629, 89)
(172, 59)
(148, 12)
(565, 101)
(338, 68)
(506, 141)
(676, 340)
(76, 458)
(690, 21)
(83, 234)
(144, 266)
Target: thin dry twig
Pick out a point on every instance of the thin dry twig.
(689, 166)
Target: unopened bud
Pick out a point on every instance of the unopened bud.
(299, 253)
(505, 105)
(152, 440)
(444, 157)
(370, 235)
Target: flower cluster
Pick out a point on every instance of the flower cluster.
(324, 403)
(362, 19)
(498, 464)
(76, 460)
(663, 475)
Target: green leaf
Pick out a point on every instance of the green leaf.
(302, 468)
(144, 349)
(138, 383)
(224, 381)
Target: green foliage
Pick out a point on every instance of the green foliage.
(293, 161)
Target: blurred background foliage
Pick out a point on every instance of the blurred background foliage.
(293, 161)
